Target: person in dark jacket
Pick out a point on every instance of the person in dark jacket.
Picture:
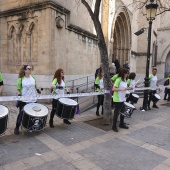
(117, 64)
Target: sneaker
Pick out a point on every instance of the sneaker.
(66, 122)
(155, 106)
(123, 126)
(115, 129)
(16, 131)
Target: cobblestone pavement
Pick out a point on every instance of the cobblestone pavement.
(144, 146)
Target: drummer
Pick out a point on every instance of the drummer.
(1, 83)
(99, 88)
(26, 86)
(58, 86)
(119, 88)
(131, 83)
(153, 85)
(113, 79)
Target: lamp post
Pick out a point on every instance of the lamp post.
(151, 10)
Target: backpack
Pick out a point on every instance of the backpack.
(166, 83)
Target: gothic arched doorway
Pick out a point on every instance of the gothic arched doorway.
(167, 65)
(121, 37)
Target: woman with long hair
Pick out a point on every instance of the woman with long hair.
(26, 86)
(99, 87)
(58, 86)
(119, 88)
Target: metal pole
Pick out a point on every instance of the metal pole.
(145, 101)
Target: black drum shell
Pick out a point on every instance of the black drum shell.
(133, 99)
(3, 124)
(126, 110)
(64, 111)
(154, 99)
(29, 122)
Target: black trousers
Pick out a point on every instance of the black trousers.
(151, 93)
(118, 106)
(19, 117)
(100, 101)
(168, 91)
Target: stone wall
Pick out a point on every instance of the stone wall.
(48, 36)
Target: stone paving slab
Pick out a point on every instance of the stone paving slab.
(144, 146)
(58, 164)
(154, 136)
(120, 155)
(74, 133)
(15, 148)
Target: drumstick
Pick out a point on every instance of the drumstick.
(137, 80)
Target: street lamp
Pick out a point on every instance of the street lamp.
(151, 10)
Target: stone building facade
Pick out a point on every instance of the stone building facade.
(51, 34)
(46, 35)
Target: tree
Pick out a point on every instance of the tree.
(164, 5)
(104, 56)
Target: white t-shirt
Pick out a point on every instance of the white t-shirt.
(132, 84)
(122, 94)
(60, 91)
(101, 84)
(153, 82)
(28, 88)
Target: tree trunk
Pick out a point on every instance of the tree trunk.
(104, 58)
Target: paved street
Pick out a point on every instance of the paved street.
(144, 146)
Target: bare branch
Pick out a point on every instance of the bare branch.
(97, 8)
(163, 11)
(88, 8)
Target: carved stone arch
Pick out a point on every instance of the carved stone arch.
(165, 54)
(31, 27)
(10, 31)
(20, 29)
(121, 34)
(165, 60)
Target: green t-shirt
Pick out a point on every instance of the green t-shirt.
(19, 83)
(58, 91)
(97, 81)
(128, 82)
(1, 78)
(114, 77)
(168, 87)
(119, 96)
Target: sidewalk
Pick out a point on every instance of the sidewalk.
(144, 146)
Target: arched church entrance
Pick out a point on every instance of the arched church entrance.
(121, 37)
(167, 65)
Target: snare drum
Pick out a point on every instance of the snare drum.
(127, 109)
(133, 98)
(34, 116)
(127, 93)
(155, 98)
(66, 108)
(3, 118)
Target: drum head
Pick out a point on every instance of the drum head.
(68, 102)
(157, 96)
(127, 92)
(135, 95)
(129, 105)
(36, 110)
(3, 111)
